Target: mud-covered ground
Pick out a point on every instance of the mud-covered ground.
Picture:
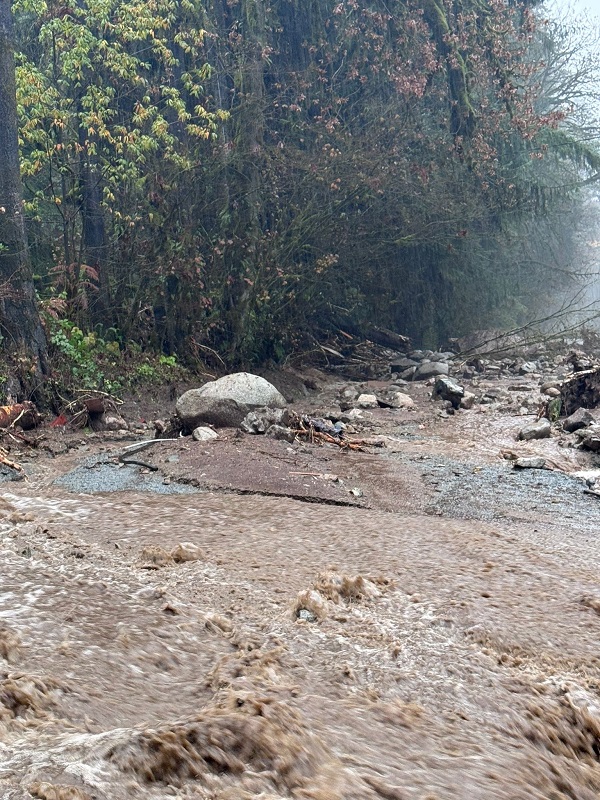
(250, 618)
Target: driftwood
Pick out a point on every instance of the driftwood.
(387, 338)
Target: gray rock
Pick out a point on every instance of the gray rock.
(108, 422)
(392, 399)
(259, 420)
(579, 419)
(281, 432)
(400, 364)
(430, 369)
(467, 400)
(449, 390)
(531, 462)
(552, 391)
(589, 438)
(527, 368)
(204, 434)
(226, 401)
(408, 373)
(246, 389)
(519, 387)
(194, 409)
(367, 401)
(536, 430)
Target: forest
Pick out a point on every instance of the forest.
(230, 179)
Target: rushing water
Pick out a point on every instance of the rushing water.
(221, 646)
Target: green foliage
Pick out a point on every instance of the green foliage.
(218, 180)
(88, 361)
(81, 353)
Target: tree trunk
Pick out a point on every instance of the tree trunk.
(94, 250)
(19, 318)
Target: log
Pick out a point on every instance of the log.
(387, 338)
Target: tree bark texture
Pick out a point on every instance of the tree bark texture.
(19, 318)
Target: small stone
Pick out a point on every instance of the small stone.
(552, 391)
(261, 419)
(527, 368)
(367, 401)
(186, 551)
(467, 400)
(401, 400)
(155, 556)
(204, 434)
(306, 615)
(281, 432)
(536, 430)
(531, 462)
(356, 492)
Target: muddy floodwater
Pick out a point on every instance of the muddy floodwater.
(426, 627)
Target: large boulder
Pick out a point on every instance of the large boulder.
(225, 402)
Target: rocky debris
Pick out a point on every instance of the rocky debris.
(531, 462)
(552, 391)
(154, 557)
(579, 360)
(536, 430)
(579, 419)
(447, 389)
(204, 434)
(528, 367)
(281, 432)
(261, 419)
(167, 428)
(226, 401)
(53, 791)
(589, 438)
(400, 364)
(430, 369)
(108, 421)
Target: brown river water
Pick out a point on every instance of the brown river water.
(442, 644)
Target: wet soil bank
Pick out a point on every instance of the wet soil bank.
(425, 627)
